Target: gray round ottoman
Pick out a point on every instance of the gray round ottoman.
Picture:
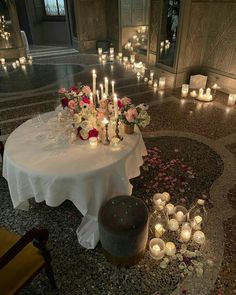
(123, 226)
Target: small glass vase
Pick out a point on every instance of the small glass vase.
(129, 129)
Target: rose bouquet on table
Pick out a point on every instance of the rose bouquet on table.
(77, 103)
(132, 115)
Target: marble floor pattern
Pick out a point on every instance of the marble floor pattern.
(176, 124)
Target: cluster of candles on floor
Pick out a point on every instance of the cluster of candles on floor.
(21, 62)
(140, 38)
(207, 95)
(178, 220)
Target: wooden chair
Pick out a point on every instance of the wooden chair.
(22, 258)
(1, 146)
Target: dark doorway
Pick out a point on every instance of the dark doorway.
(23, 19)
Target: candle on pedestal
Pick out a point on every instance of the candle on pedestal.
(115, 105)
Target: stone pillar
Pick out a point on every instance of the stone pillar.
(154, 29)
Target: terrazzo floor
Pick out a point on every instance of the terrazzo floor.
(191, 154)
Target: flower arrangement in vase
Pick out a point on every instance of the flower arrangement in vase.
(132, 115)
(77, 104)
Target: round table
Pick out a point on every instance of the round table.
(36, 165)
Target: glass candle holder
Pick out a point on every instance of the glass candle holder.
(158, 202)
(185, 90)
(100, 51)
(170, 209)
(157, 248)
(173, 225)
(93, 141)
(186, 231)
(180, 213)
(162, 82)
(170, 249)
(199, 237)
(159, 230)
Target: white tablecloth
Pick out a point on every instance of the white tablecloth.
(52, 171)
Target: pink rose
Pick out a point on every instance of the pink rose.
(62, 90)
(126, 101)
(93, 133)
(64, 102)
(86, 90)
(131, 115)
(72, 104)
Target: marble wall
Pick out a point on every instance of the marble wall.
(207, 41)
(91, 22)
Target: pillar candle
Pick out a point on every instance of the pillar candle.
(115, 106)
(98, 97)
(101, 86)
(106, 85)
(113, 87)
(94, 81)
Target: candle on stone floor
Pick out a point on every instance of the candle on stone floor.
(208, 91)
(14, 65)
(170, 209)
(162, 82)
(106, 85)
(125, 59)
(94, 76)
(104, 57)
(162, 44)
(115, 105)
(193, 93)
(30, 57)
(231, 99)
(155, 84)
(179, 216)
(101, 86)
(120, 54)
(185, 233)
(132, 58)
(17, 63)
(173, 225)
(199, 237)
(100, 51)
(159, 230)
(112, 51)
(3, 61)
(157, 248)
(170, 249)
(113, 87)
(185, 90)
(200, 94)
(151, 75)
(196, 223)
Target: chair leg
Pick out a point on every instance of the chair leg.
(50, 275)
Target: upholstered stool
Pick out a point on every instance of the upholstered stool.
(123, 226)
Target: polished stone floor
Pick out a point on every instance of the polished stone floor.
(204, 134)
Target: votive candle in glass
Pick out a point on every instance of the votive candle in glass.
(162, 82)
(173, 225)
(159, 230)
(196, 223)
(199, 237)
(100, 51)
(185, 234)
(180, 213)
(185, 90)
(231, 99)
(157, 248)
(93, 141)
(170, 209)
(170, 249)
